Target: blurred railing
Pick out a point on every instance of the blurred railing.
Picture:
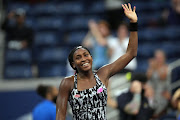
(172, 66)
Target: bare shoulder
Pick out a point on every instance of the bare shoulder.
(103, 71)
(67, 83)
(103, 74)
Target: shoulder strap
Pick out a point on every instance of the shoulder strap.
(97, 79)
(75, 81)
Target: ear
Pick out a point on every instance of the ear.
(73, 65)
(92, 57)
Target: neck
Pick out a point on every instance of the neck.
(85, 75)
(122, 38)
(49, 98)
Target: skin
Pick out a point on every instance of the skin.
(122, 32)
(85, 76)
(133, 106)
(52, 93)
(158, 64)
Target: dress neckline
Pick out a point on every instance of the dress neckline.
(85, 90)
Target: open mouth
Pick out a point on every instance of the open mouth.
(85, 64)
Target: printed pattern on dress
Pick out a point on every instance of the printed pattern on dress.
(89, 104)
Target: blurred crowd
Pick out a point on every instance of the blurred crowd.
(149, 95)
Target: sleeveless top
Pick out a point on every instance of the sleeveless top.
(89, 104)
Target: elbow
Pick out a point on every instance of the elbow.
(132, 53)
(135, 112)
(135, 55)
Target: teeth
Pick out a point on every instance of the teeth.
(85, 64)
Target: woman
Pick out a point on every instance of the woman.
(86, 91)
(157, 74)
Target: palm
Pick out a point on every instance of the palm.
(131, 14)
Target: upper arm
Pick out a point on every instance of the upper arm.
(62, 99)
(87, 41)
(115, 67)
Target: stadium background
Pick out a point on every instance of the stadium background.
(59, 26)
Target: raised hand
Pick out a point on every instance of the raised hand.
(131, 14)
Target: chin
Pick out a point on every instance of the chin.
(87, 69)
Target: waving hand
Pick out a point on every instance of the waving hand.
(131, 14)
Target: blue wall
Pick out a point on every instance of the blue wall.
(16, 103)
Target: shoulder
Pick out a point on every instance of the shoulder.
(102, 74)
(67, 83)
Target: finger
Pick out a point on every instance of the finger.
(134, 9)
(129, 6)
(126, 7)
(123, 7)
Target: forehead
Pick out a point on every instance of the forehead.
(122, 27)
(80, 51)
(159, 53)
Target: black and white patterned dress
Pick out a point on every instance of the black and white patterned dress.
(89, 104)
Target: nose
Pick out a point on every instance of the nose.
(83, 59)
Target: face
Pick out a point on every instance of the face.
(176, 5)
(54, 93)
(82, 60)
(160, 57)
(104, 30)
(20, 19)
(122, 31)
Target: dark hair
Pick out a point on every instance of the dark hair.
(70, 57)
(42, 90)
(140, 77)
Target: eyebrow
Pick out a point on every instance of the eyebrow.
(82, 53)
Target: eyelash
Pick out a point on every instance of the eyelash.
(84, 55)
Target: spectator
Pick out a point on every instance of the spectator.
(157, 73)
(170, 16)
(119, 45)
(137, 103)
(18, 35)
(96, 41)
(174, 14)
(176, 102)
(46, 110)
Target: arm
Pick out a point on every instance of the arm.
(133, 106)
(109, 70)
(62, 99)
(87, 40)
(152, 68)
(112, 103)
(96, 33)
(163, 72)
(175, 98)
(5, 25)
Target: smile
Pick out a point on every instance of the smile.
(85, 64)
